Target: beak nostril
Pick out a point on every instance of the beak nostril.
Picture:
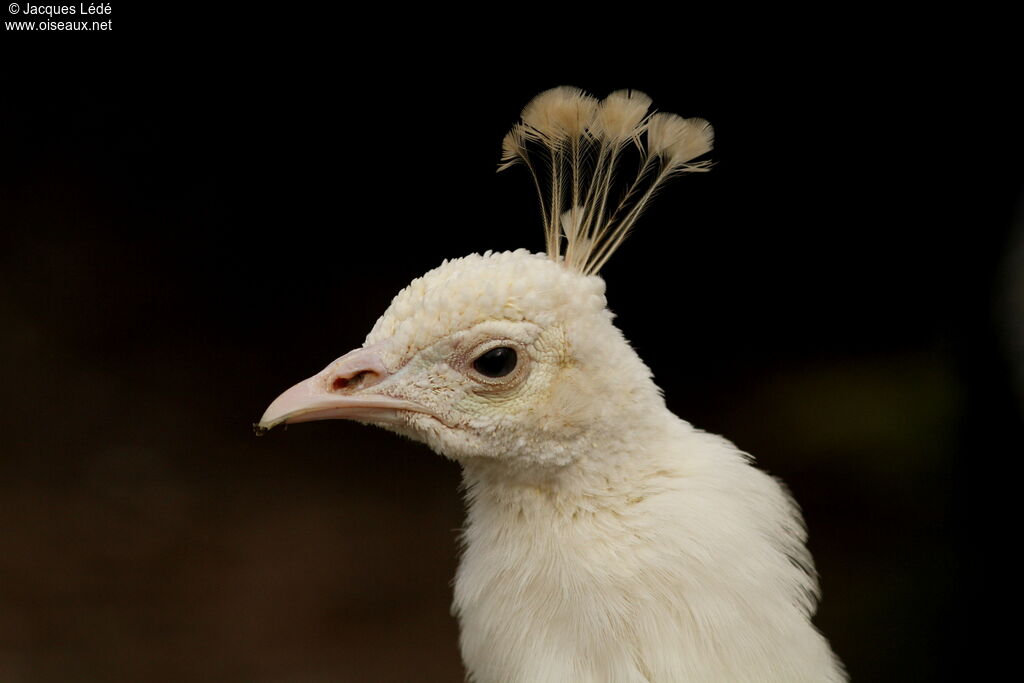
(354, 382)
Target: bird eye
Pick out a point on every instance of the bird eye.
(497, 362)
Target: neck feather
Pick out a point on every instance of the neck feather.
(606, 468)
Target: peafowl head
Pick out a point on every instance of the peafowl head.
(513, 356)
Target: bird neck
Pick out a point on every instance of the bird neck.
(607, 466)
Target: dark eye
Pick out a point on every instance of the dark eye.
(497, 362)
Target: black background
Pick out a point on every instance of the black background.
(190, 225)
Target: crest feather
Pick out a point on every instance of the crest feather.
(573, 146)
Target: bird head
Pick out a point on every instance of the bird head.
(502, 355)
(513, 356)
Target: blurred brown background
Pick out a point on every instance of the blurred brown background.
(180, 242)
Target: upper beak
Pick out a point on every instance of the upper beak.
(339, 391)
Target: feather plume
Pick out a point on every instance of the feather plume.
(619, 116)
(573, 146)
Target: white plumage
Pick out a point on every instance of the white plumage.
(607, 540)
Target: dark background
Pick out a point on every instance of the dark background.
(181, 239)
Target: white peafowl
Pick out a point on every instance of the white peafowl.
(606, 540)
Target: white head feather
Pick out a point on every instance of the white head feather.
(574, 371)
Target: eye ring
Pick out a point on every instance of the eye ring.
(496, 362)
(487, 372)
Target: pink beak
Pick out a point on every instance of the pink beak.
(339, 392)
